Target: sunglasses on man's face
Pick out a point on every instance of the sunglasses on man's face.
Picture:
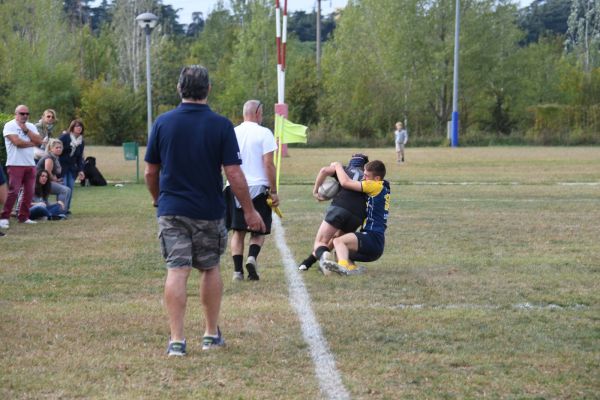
(22, 113)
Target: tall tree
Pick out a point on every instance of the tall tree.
(130, 39)
(583, 34)
(38, 57)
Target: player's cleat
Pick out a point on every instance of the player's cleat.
(351, 269)
(322, 261)
(332, 266)
(303, 267)
(354, 269)
(176, 348)
(211, 342)
(238, 276)
(252, 268)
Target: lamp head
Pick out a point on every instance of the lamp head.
(147, 20)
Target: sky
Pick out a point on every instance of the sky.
(205, 6)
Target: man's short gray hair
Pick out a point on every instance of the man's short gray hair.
(193, 82)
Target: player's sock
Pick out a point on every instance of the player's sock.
(253, 250)
(344, 263)
(320, 250)
(309, 261)
(238, 260)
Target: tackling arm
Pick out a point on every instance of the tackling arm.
(344, 179)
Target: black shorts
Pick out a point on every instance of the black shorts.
(342, 219)
(370, 246)
(234, 218)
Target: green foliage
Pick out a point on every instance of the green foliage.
(251, 74)
(560, 124)
(38, 63)
(112, 114)
(544, 18)
(4, 118)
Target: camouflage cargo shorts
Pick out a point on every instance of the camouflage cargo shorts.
(188, 242)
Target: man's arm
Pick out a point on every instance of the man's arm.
(20, 143)
(271, 172)
(344, 179)
(33, 135)
(323, 173)
(239, 186)
(151, 176)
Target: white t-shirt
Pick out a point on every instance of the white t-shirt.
(254, 142)
(18, 156)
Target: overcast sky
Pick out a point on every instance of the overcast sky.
(189, 6)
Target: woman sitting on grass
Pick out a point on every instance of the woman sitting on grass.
(50, 162)
(40, 207)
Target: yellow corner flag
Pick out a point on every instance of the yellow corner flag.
(289, 132)
(286, 132)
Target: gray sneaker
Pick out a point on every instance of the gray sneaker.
(238, 276)
(211, 342)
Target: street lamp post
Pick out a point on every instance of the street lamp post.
(147, 21)
(454, 137)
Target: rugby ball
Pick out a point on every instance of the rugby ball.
(329, 188)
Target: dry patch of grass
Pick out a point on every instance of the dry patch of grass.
(485, 291)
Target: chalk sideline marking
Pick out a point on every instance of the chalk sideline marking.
(330, 381)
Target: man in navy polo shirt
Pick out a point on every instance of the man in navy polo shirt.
(186, 150)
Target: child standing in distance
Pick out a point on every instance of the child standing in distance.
(401, 137)
(366, 245)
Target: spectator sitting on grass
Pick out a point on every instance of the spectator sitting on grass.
(40, 207)
(50, 162)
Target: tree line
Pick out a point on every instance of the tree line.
(526, 76)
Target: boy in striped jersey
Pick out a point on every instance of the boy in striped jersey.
(366, 245)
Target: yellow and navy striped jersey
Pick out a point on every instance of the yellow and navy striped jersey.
(378, 205)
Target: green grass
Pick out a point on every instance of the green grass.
(489, 288)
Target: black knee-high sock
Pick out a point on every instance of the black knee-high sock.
(237, 263)
(320, 250)
(253, 250)
(309, 261)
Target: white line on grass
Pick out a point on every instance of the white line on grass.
(475, 183)
(329, 377)
(519, 306)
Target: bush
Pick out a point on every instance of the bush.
(557, 124)
(113, 114)
(4, 118)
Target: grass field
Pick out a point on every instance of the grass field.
(489, 288)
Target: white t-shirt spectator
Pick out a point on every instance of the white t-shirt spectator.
(18, 156)
(254, 142)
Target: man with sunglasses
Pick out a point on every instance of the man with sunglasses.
(20, 138)
(257, 147)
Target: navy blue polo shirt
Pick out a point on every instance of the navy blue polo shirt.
(191, 143)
